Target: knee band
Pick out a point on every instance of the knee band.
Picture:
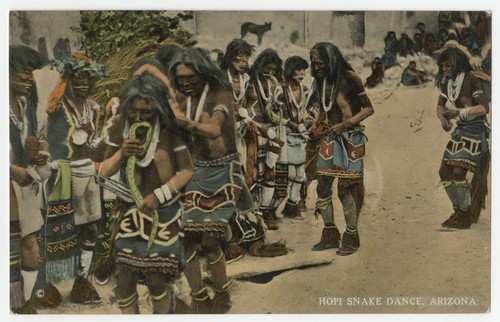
(322, 204)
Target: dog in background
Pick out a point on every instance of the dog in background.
(259, 30)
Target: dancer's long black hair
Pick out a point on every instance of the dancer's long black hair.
(152, 89)
(335, 62)
(459, 63)
(232, 49)
(200, 62)
(264, 58)
(21, 57)
(293, 63)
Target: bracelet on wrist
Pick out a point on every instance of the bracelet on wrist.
(464, 114)
(163, 193)
(159, 194)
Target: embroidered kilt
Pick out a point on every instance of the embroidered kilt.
(211, 197)
(342, 156)
(166, 253)
(468, 143)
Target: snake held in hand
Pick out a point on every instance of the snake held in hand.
(136, 194)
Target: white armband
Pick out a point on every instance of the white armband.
(180, 148)
(477, 93)
(221, 108)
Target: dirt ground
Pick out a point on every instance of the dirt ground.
(406, 263)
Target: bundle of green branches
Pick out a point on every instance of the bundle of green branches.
(119, 66)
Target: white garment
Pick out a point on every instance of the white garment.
(29, 200)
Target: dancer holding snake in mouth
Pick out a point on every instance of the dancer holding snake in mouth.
(147, 152)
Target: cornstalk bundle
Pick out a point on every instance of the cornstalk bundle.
(119, 66)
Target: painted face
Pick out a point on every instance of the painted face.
(189, 81)
(82, 84)
(21, 82)
(318, 65)
(142, 110)
(447, 68)
(298, 75)
(240, 62)
(269, 70)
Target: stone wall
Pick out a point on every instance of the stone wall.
(306, 28)
(47, 31)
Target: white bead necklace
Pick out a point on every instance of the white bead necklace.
(454, 87)
(302, 96)
(298, 105)
(240, 96)
(199, 108)
(328, 107)
(267, 99)
(17, 122)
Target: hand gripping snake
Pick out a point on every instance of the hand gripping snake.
(136, 194)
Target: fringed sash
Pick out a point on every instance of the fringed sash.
(15, 251)
(61, 231)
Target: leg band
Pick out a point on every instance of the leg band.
(217, 260)
(324, 207)
(201, 295)
(128, 301)
(225, 287)
(159, 297)
(192, 256)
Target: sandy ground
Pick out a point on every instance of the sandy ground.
(406, 264)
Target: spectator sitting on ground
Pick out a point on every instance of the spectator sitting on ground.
(412, 76)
